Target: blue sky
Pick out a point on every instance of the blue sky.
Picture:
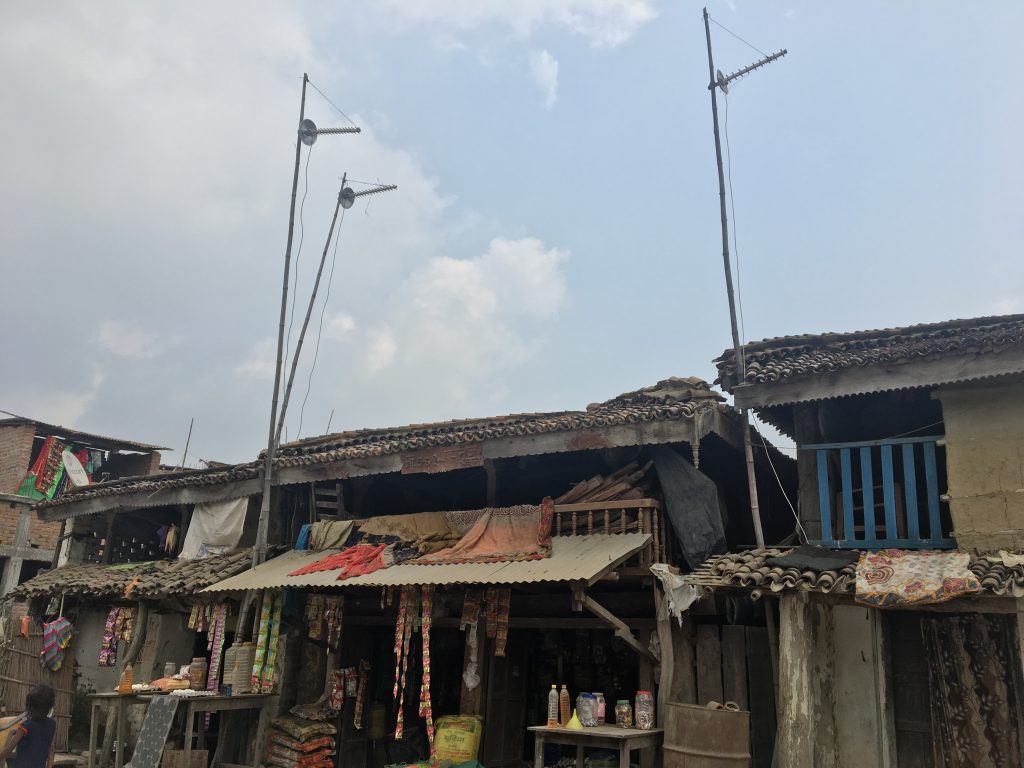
(555, 237)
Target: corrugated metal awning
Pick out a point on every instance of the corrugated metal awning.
(573, 558)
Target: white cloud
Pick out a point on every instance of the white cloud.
(544, 71)
(120, 339)
(603, 23)
(458, 324)
(64, 406)
(261, 362)
(339, 326)
(1006, 305)
(380, 349)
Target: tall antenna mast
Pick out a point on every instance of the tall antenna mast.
(306, 134)
(718, 80)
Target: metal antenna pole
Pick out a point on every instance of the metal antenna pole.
(748, 450)
(309, 312)
(259, 553)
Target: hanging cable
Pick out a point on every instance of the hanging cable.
(336, 107)
(735, 247)
(768, 455)
(722, 26)
(298, 254)
(320, 330)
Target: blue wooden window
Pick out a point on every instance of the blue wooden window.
(878, 494)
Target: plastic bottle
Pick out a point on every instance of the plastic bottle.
(564, 710)
(600, 708)
(553, 706)
(124, 686)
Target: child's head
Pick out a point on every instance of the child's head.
(40, 701)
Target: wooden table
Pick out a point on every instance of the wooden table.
(192, 705)
(620, 740)
(195, 705)
(98, 700)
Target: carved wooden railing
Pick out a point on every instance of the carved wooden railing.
(613, 517)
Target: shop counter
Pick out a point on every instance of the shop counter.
(622, 741)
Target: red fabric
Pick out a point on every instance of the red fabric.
(47, 464)
(354, 561)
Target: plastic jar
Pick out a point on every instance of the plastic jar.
(197, 671)
(587, 710)
(600, 708)
(623, 714)
(644, 710)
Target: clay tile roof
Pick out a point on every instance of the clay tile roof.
(153, 483)
(133, 581)
(775, 360)
(673, 399)
(669, 400)
(750, 570)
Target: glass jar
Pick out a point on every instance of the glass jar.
(586, 710)
(197, 673)
(623, 714)
(644, 710)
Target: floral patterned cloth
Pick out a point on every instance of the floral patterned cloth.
(973, 709)
(894, 578)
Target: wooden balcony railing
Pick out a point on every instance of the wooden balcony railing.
(611, 517)
(901, 474)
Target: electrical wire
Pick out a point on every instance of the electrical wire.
(336, 107)
(722, 26)
(320, 330)
(768, 455)
(736, 249)
(298, 255)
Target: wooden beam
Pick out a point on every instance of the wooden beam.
(622, 630)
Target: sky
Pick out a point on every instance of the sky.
(555, 238)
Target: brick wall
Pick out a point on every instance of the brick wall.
(15, 455)
(41, 534)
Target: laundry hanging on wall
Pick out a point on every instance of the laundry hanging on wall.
(56, 638)
(119, 625)
(215, 528)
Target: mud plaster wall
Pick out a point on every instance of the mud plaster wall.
(985, 463)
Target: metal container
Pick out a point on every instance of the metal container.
(699, 737)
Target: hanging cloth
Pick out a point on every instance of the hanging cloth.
(426, 619)
(973, 707)
(334, 609)
(407, 606)
(56, 638)
(215, 644)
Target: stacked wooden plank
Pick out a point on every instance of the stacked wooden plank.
(621, 484)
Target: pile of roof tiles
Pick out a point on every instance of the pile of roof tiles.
(750, 570)
(132, 581)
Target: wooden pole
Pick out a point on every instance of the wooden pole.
(259, 552)
(309, 313)
(748, 451)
